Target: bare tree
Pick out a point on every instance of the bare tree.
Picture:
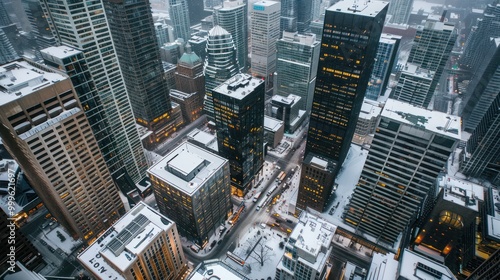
(262, 253)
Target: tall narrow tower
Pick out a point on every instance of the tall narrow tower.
(134, 37)
(347, 56)
(265, 33)
(232, 16)
(399, 11)
(46, 131)
(179, 15)
(124, 157)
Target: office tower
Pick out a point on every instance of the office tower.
(192, 186)
(105, 70)
(143, 244)
(397, 184)
(297, 66)
(344, 70)
(141, 67)
(7, 51)
(479, 38)
(295, 15)
(39, 25)
(483, 88)
(414, 266)
(221, 64)
(274, 130)
(24, 250)
(481, 157)
(46, 131)
(210, 5)
(191, 104)
(415, 85)
(433, 43)
(367, 122)
(489, 269)
(399, 11)
(265, 32)
(164, 33)
(287, 110)
(232, 16)
(179, 15)
(384, 62)
(307, 250)
(315, 9)
(4, 16)
(448, 233)
(199, 45)
(239, 121)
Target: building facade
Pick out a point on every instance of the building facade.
(232, 16)
(384, 63)
(134, 37)
(344, 71)
(105, 71)
(265, 32)
(192, 186)
(221, 64)
(397, 184)
(287, 110)
(239, 121)
(179, 15)
(143, 244)
(297, 66)
(399, 11)
(46, 131)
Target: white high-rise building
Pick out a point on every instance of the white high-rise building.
(265, 32)
(399, 11)
(232, 16)
(179, 15)
(85, 27)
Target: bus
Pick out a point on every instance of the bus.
(235, 258)
(261, 204)
(281, 177)
(256, 197)
(272, 190)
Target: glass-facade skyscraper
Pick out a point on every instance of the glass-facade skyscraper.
(348, 48)
(134, 37)
(179, 15)
(125, 157)
(399, 11)
(232, 16)
(239, 121)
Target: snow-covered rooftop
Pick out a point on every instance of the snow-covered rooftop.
(187, 167)
(415, 267)
(19, 78)
(370, 109)
(312, 233)
(414, 70)
(493, 221)
(272, 124)
(202, 137)
(383, 267)
(362, 8)
(457, 189)
(437, 122)
(214, 269)
(98, 256)
(239, 86)
(60, 51)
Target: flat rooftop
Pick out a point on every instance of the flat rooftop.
(272, 124)
(414, 70)
(383, 267)
(311, 234)
(98, 256)
(434, 121)
(288, 100)
(60, 51)
(202, 137)
(370, 109)
(493, 221)
(239, 86)
(362, 8)
(184, 159)
(19, 78)
(413, 266)
(457, 189)
(214, 269)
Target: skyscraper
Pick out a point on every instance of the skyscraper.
(297, 66)
(128, 156)
(384, 62)
(7, 51)
(192, 186)
(179, 15)
(295, 15)
(46, 131)
(265, 32)
(134, 37)
(143, 244)
(232, 16)
(399, 11)
(39, 25)
(410, 148)
(346, 60)
(164, 33)
(221, 64)
(433, 43)
(239, 120)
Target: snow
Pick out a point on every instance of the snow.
(50, 236)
